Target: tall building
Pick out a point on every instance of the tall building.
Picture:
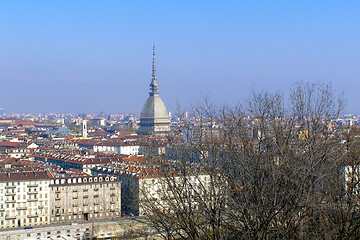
(24, 199)
(36, 198)
(154, 118)
(84, 198)
(84, 128)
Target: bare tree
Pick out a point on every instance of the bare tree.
(274, 170)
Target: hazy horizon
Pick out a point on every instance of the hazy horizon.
(93, 56)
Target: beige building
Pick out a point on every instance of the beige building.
(24, 199)
(36, 198)
(84, 198)
(143, 185)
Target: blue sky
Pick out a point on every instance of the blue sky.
(93, 56)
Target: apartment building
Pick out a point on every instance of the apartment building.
(37, 198)
(143, 183)
(24, 199)
(84, 198)
(110, 146)
(68, 161)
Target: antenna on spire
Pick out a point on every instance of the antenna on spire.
(154, 65)
(154, 85)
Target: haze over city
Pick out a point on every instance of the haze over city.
(93, 56)
(267, 145)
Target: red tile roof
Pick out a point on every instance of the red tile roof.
(9, 144)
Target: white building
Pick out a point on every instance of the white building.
(24, 199)
(118, 147)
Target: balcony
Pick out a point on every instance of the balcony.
(85, 190)
(32, 185)
(10, 201)
(112, 188)
(34, 192)
(96, 189)
(40, 207)
(10, 187)
(33, 200)
(33, 215)
(10, 194)
(10, 217)
(21, 208)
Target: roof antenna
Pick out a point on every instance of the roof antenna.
(154, 85)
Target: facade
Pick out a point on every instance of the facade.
(142, 185)
(84, 198)
(148, 150)
(36, 198)
(118, 147)
(24, 199)
(154, 118)
(154, 191)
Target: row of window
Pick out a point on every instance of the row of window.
(81, 180)
(23, 222)
(22, 204)
(32, 183)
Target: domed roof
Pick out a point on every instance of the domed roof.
(154, 107)
(154, 118)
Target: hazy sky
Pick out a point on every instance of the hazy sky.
(93, 56)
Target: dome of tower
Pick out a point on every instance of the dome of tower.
(154, 107)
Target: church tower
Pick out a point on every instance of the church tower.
(84, 128)
(154, 118)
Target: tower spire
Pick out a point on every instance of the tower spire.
(154, 65)
(154, 85)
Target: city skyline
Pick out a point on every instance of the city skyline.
(90, 56)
